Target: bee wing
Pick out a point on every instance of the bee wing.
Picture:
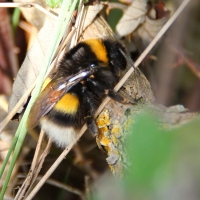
(45, 102)
(52, 93)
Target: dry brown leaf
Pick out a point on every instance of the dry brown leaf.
(149, 29)
(32, 15)
(32, 63)
(90, 13)
(133, 16)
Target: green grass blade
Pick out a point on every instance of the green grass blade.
(15, 19)
(67, 10)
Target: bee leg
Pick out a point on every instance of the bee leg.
(117, 71)
(97, 87)
(89, 109)
(92, 127)
(117, 97)
(101, 90)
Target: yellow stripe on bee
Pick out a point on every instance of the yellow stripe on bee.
(68, 104)
(46, 82)
(98, 48)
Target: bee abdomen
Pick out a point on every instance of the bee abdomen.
(62, 136)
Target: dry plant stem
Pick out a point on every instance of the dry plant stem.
(55, 164)
(31, 175)
(89, 148)
(84, 162)
(39, 166)
(58, 184)
(193, 66)
(35, 169)
(67, 40)
(60, 51)
(28, 5)
(45, 152)
(77, 25)
(27, 182)
(65, 187)
(184, 58)
(122, 81)
(38, 148)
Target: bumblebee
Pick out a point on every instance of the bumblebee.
(72, 93)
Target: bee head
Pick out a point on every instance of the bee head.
(116, 59)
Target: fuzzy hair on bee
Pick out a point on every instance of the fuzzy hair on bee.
(72, 93)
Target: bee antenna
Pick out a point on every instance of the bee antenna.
(128, 59)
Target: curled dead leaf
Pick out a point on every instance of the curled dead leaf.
(32, 63)
(156, 19)
(133, 16)
(150, 28)
(32, 15)
(90, 12)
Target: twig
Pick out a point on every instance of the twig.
(59, 185)
(55, 164)
(122, 81)
(65, 187)
(33, 172)
(84, 162)
(28, 5)
(39, 165)
(38, 148)
(185, 59)
(77, 24)
(27, 182)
